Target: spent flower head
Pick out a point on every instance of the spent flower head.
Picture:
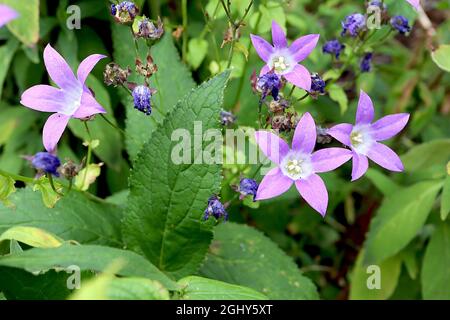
(363, 137)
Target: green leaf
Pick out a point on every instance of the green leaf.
(74, 217)
(435, 275)
(398, 220)
(172, 80)
(423, 156)
(338, 94)
(167, 200)
(34, 237)
(26, 26)
(49, 196)
(197, 50)
(86, 257)
(6, 54)
(198, 288)
(445, 202)
(7, 188)
(382, 182)
(243, 256)
(441, 57)
(362, 275)
(87, 176)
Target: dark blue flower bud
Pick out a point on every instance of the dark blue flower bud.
(216, 209)
(317, 85)
(227, 118)
(248, 187)
(46, 162)
(366, 62)
(333, 47)
(269, 83)
(124, 12)
(142, 96)
(353, 24)
(401, 24)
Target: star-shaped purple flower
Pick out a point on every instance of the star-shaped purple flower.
(72, 99)
(299, 165)
(6, 14)
(283, 59)
(363, 138)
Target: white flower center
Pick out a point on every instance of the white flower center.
(281, 61)
(361, 139)
(356, 138)
(280, 64)
(296, 166)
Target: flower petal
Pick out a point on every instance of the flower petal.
(299, 77)
(305, 134)
(262, 47)
(329, 159)
(59, 70)
(414, 3)
(365, 112)
(388, 126)
(88, 107)
(87, 65)
(360, 165)
(264, 70)
(272, 146)
(7, 14)
(314, 192)
(341, 133)
(278, 36)
(53, 130)
(44, 98)
(385, 157)
(273, 184)
(302, 47)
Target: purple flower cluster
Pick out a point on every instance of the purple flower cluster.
(401, 24)
(142, 99)
(248, 187)
(216, 209)
(46, 162)
(333, 47)
(124, 12)
(269, 83)
(353, 24)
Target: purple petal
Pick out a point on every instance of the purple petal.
(385, 157)
(88, 107)
(44, 98)
(6, 14)
(264, 70)
(59, 70)
(305, 134)
(272, 146)
(341, 133)
(87, 65)
(414, 3)
(360, 165)
(388, 126)
(364, 113)
(302, 47)
(278, 36)
(262, 47)
(314, 192)
(329, 159)
(273, 184)
(299, 77)
(53, 130)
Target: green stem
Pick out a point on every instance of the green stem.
(89, 153)
(17, 177)
(52, 184)
(112, 124)
(185, 27)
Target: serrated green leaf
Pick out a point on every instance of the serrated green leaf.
(74, 217)
(31, 236)
(167, 200)
(86, 257)
(198, 288)
(389, 272)
(172, 80)
(398, 220)
(435, 275)
(26, 26)
(244, 256)
(441, 57)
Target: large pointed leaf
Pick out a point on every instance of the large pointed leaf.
(166, 202)
(243, 256)
(73, 218)
(6, 54)
(86, 257)
(399, 219)
(436, 266)
(173, 81)
(26, 26)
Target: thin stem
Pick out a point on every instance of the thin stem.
(89, 153)
(17, 177)
(52, 184)
(303, 97)
(112, 124)
(185, 27)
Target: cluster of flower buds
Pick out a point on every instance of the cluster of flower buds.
(148, 29)
(247, 187)
(216, 209)
(45, 163)
(142, 95)
(124, 12)
(146, 70)
(317, 86)
(227, 118)
(114, 75)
